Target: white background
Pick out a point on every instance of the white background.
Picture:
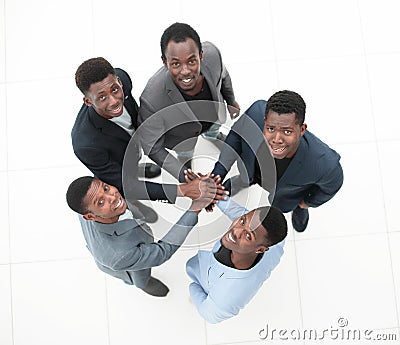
(342, 56)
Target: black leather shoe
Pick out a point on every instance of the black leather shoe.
(156, 288)
(300, 219)
(148, 170)
(221, 136)
(218, 141)
(150, 216)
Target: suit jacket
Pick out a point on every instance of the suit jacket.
(219, 292)
(126, 249)
(100, 145)
(313, 175)
(177, 123)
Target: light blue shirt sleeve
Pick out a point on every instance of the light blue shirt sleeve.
(231, 208)
(206, 307)
(204, 303)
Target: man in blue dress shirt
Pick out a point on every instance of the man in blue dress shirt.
(226, 278)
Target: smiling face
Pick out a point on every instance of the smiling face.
(183, 62)
(106, 97)
(104, 203)
(246, 235)
(283, 133)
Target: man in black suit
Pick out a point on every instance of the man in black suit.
(104, 128)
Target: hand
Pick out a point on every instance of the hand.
(193, 188)
(208, 189)
(303, 204)
(234, 110)
(190, 176)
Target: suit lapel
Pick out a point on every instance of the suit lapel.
(108, 127)
(296, 164)
(177, 99)
(208, 77)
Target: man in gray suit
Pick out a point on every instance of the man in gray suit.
(121, 245)
(183, 99)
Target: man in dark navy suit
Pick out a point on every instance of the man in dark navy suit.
(307, 171)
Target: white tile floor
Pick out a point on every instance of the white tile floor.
(342, 56)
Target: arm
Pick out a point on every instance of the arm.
(229, 153)
(135, 189)
(99, 163)
(231, 209)
(151, 135)
(147, 255)
(226, 87)
(206, 306)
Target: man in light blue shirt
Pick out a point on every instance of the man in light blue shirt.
(226, 278)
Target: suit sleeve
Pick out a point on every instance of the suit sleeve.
(226, 87)
(148, 255)
(229, 153)
(324, 190)
(226, 82)
(151, 135)
(99, 163)
(103, 167)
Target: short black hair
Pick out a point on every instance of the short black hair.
(179, 32)
(274, 221)
(92, 71)
(286, 102)
(77, 190)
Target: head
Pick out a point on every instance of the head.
(256, 231)
(284, 123)
(101, 88)
(181, 53)
(95, 200)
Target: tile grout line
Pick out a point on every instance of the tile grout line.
(107, 311)
(40, 261)
(396, 307)
(298, 283)
(93, 28)
(343, 236)
(274, 43)
(7, 174)
(105, 278)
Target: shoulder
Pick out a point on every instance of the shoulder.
(319, 155)
(210, 48)
(157, 81)
(257, 109)
(211, 54)
(254, 114)
(125, 79)
(83, 123)
(156, 87)
(317, 147)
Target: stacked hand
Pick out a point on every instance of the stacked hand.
(204, 190)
